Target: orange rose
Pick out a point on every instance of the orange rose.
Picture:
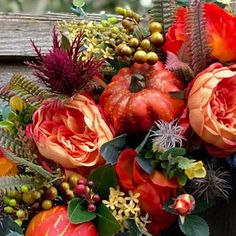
(220, 28)
(212, 107)
(71, 134)
(7, 167)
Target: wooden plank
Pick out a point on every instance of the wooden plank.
(17, 31)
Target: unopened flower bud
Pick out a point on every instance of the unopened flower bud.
(184, 204)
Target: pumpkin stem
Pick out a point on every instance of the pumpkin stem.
(137, 83)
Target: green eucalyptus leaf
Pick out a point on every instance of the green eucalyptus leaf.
(9, 228)
(111, 149)
(145, 164)
(194, 226)
(142, 144)
(105, 221)
(78, 213)
(103, 177)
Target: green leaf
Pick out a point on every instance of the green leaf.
(10, 228)
(182, 179)
(194, 226)
(141, 145)
(6, 110)
(111, 150)
(6, 124)
(105, 221)
(145, 164)
(178, 94)
(103, 177)
(202, 205)
(167, 207)
(77, 212)
(134, 229)
(65, 43)
(78, 3)
(174, 152)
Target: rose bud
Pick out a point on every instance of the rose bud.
(184, 204)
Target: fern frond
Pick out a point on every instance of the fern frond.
(10, 184)
(10, 142)
(163, 12)
(174, 64)
(33, 167)
(196, 36)
(27, 89)
(6, 93)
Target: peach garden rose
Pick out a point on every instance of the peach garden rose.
(70, 134)
(212, 107)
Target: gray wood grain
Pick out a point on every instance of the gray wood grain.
(17, 31)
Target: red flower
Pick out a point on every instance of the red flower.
(220, 28)
(184, 204)
(154, 190)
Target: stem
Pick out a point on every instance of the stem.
(137, 83)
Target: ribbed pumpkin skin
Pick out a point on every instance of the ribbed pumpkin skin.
(55, 222)
(135, 112)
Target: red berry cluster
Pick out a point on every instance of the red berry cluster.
(84, 189)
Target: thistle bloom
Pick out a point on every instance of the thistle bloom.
(166, 135)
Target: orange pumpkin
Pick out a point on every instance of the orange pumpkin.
(55, 222)
(139, 95)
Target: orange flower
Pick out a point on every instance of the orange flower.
(212, 107)
(154, 190)
(7, 167)
(70, 134)
(220, 28)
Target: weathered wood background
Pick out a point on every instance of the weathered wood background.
(16, 31)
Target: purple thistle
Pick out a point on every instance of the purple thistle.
(62, 70)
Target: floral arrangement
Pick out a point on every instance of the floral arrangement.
(122, 131)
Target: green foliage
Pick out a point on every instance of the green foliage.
(9, 184)
(163, 12)
(33, 167)
(103, 177)
(134, 229)
(10, 228)
(105, 222)
(194, 226)
(111, 149)
(145, 164)
(78, 213)
(27, 89)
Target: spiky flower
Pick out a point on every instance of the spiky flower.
(62, 70)
(166, 135)
(214, 185)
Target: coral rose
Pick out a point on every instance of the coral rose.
(219, 27)
(154, 190)
(70, 134)
(212, 107)
(7, 167)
